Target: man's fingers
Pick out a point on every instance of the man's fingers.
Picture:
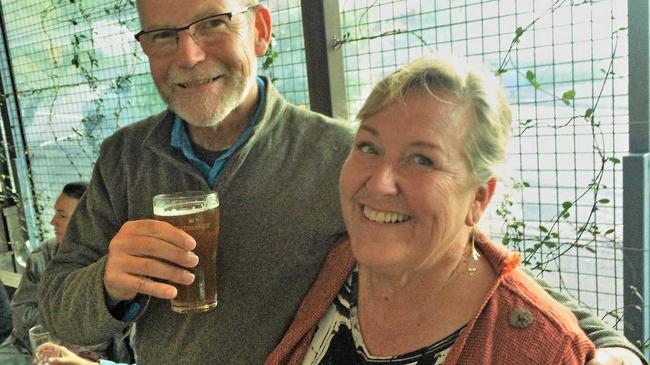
(154, 239)
(146, 286)
(160, 230)
(160, 270)
(145, 251)
(161, 250)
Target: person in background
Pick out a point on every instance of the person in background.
(5, 313)
(275, 167)
(24, 303)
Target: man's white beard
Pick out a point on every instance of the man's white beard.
(210, 110)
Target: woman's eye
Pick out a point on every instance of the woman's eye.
(422, 160)
(366, 148)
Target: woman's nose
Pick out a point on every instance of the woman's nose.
(383, 180)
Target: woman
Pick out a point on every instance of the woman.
(428, 288)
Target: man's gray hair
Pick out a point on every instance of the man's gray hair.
(487, 137)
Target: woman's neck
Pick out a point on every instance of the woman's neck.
(403, 311)
(428, 277)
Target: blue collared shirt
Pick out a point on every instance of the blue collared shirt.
(181, 141)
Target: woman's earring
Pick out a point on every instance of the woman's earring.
(471, 269)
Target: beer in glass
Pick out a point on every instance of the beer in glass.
(196, 213)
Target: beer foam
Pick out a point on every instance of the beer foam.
(160, 211)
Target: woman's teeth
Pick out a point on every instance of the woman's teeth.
(384, 217)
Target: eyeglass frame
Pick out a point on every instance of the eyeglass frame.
(229, 14)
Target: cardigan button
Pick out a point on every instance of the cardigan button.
(520, 318)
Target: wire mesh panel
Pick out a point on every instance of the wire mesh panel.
(564, 65)
(288, 69)
(81, 75)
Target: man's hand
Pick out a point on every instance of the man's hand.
(148, 249)
(615, 356)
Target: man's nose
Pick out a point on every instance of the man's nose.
(189, 52)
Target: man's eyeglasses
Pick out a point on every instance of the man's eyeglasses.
(206, 32)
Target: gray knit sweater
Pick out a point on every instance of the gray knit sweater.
(279, 215)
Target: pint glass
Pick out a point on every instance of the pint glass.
(196, 213)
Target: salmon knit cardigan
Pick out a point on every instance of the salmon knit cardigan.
(518, 322)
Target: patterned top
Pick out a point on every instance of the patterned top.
(338, 338)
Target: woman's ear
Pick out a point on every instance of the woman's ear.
(262, 29)
(482, 197)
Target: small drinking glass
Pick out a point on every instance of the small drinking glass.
(38, 335)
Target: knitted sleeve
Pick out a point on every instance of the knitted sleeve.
(598, 332)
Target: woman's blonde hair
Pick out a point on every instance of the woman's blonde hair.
(487, 136)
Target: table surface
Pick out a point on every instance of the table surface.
(10, 279)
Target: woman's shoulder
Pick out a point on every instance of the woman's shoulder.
(519, 290)
(524, 314)
(524, 304)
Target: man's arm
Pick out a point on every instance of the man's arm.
(600, 333)
(87, 289)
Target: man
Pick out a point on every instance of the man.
(275, 167)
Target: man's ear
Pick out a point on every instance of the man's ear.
(482, 197)
(262, 29)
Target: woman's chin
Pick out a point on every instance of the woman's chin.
(378, 258)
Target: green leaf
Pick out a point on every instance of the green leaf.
(75, 61)
(267, 63)
(521, 185)
(610, 231)
(614, 160)
(543, 229)
(589, 248)
(518, 33)
(567, 205)
(568, 96)
(588, 113)
(532, 79)
(603, 201)
(550, 244)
